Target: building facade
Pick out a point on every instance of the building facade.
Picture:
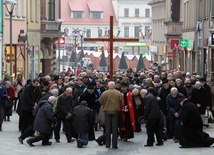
(134, 21)
(19, 32)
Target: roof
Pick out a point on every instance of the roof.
(87, 6)
(75, 5)
(94, 6)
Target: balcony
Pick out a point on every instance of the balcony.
(173, 28)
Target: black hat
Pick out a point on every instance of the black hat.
(124, 84)
(202, 80)
(90, 86)
(164, 80)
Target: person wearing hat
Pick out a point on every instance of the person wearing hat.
(127, 124)
(90, 96)
(199, 98)
(188, 85)
(163, 93)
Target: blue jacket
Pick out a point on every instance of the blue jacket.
(44, 118)
(3, 95)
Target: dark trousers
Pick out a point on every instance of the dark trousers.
(42, 136)
(111, 125)
(29, 131)
(153, 127)
(175, 126)
(67, 128)
(27, 120)
(57, 129)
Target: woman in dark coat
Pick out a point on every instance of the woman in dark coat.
(191, 133)
(43, 122)
(81, 118)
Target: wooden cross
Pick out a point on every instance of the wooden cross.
(111, 40)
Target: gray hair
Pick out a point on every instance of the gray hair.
(173, 89)
(143, 91)
(51, 98)
(54, 91)
(111, 84)
(135, 91)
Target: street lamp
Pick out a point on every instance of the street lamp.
(75, 34)
(59, 23)
(10, 4)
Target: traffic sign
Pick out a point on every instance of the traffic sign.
(61, 41)
(184, 43)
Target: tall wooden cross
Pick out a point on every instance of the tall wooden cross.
(111, 40)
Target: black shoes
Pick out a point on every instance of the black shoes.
(57, 141)
(71, 140)
(30, 143)
(79, 143)
(148, 145)
(159, 144)
(114, 147)
(99, 142)
(20, 140)
(48, 143)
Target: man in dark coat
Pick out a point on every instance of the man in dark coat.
(90, 96)
(191, 133)
(64, 112)
(199, 98)
(173, 106)
(163, 93)
(31, 98)
(43, 122)
(81, 118)
(153, 116)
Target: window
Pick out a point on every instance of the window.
(77, 14)
(147, 12)
(136, 12)
(100, 32)
(126, 31)
(126, 12)
(136, 31)
(88, 33)
(96, 15)
(51, 11)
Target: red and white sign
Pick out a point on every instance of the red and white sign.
(171, 55)
(174, 44)
(61, 41)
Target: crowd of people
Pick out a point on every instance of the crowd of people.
(168, 103)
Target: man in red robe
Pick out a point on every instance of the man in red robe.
(127, 116)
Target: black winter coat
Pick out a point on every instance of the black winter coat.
(31, 96)
(199, 96)
(151, 107)
(44, 118)
(191, 132)
(65, 104)
(81, 118)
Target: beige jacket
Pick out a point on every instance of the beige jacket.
(112, 100)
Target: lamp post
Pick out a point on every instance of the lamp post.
(10, 4)
(59, 23)
(76, 33)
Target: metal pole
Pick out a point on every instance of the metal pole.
(75, 62)
(11, 56)
(59, 49)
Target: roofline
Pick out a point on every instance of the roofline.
(153, 3)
